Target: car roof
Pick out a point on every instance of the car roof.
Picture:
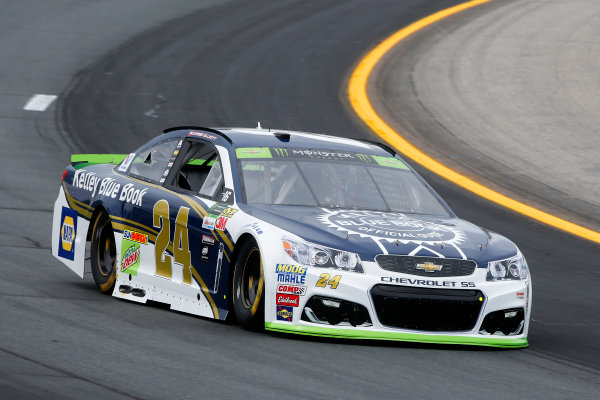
(259, 137)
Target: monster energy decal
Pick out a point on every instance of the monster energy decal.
(280, 152)
(314, 154)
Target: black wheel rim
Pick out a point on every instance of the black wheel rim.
(251, 278)
(107, 251)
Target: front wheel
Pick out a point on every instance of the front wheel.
(248, 287)
(104, 254)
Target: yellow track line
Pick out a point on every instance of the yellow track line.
(357, 93)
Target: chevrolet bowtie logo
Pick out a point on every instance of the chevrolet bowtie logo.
(430, 267)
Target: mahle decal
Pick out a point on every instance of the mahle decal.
(293, 274)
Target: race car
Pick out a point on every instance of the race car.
(289, 232)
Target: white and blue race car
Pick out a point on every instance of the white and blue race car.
(289, 232)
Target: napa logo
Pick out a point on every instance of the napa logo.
(68, 230)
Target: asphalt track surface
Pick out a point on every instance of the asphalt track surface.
(127, 74)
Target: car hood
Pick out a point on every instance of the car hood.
(369, 233)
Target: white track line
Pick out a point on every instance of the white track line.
(39, 102)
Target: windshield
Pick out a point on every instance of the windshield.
(354, 181)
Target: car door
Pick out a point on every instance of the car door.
(198, 215)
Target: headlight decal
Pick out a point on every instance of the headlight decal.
(514, 268)
(314, 255)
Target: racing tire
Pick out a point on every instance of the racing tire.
(248, 287)
(103, 254)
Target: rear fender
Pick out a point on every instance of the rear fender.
(69, 235)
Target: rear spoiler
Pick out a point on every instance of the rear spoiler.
(79, 161)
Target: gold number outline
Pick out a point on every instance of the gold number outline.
(181, 248)
(326, 279)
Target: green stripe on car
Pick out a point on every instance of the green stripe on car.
(253, 152)
(398, 336)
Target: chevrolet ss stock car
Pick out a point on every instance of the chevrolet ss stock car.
(289, 232)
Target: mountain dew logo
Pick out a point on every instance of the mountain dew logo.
(130, 262)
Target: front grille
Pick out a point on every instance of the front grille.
(410, 264)
(427, 309)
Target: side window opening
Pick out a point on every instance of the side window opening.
(152, 162)
(201, 170)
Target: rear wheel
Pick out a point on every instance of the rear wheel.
(104, 254)
(248, 287)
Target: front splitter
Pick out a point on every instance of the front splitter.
(357, 333)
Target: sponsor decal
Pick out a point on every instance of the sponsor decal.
(390, 162)
(132, 195)
(228, 212)
(208, 223)
(219, 264)
(323, 155)
(130, 261)
(254, 226)
(253, 152)
(294, 274)
(221, 210)
(280, 152)
(108, 187)
(290, 269)
(216, 209)
(209, 240)
(125, 164)
(285, 313)
(297, 279)
(86, 180)
(425, 282)
(520, 295)
(203, 135)
(68, 230)
(284, 299)
(135, 236)
(283, 152)
(204, 253)
(390, 226)
(221, 223)
(429, 267)
(292, 289)
(227, 194)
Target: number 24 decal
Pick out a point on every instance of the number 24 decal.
(181, 246)
(324, 280)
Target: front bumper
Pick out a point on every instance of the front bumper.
(494, 297)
